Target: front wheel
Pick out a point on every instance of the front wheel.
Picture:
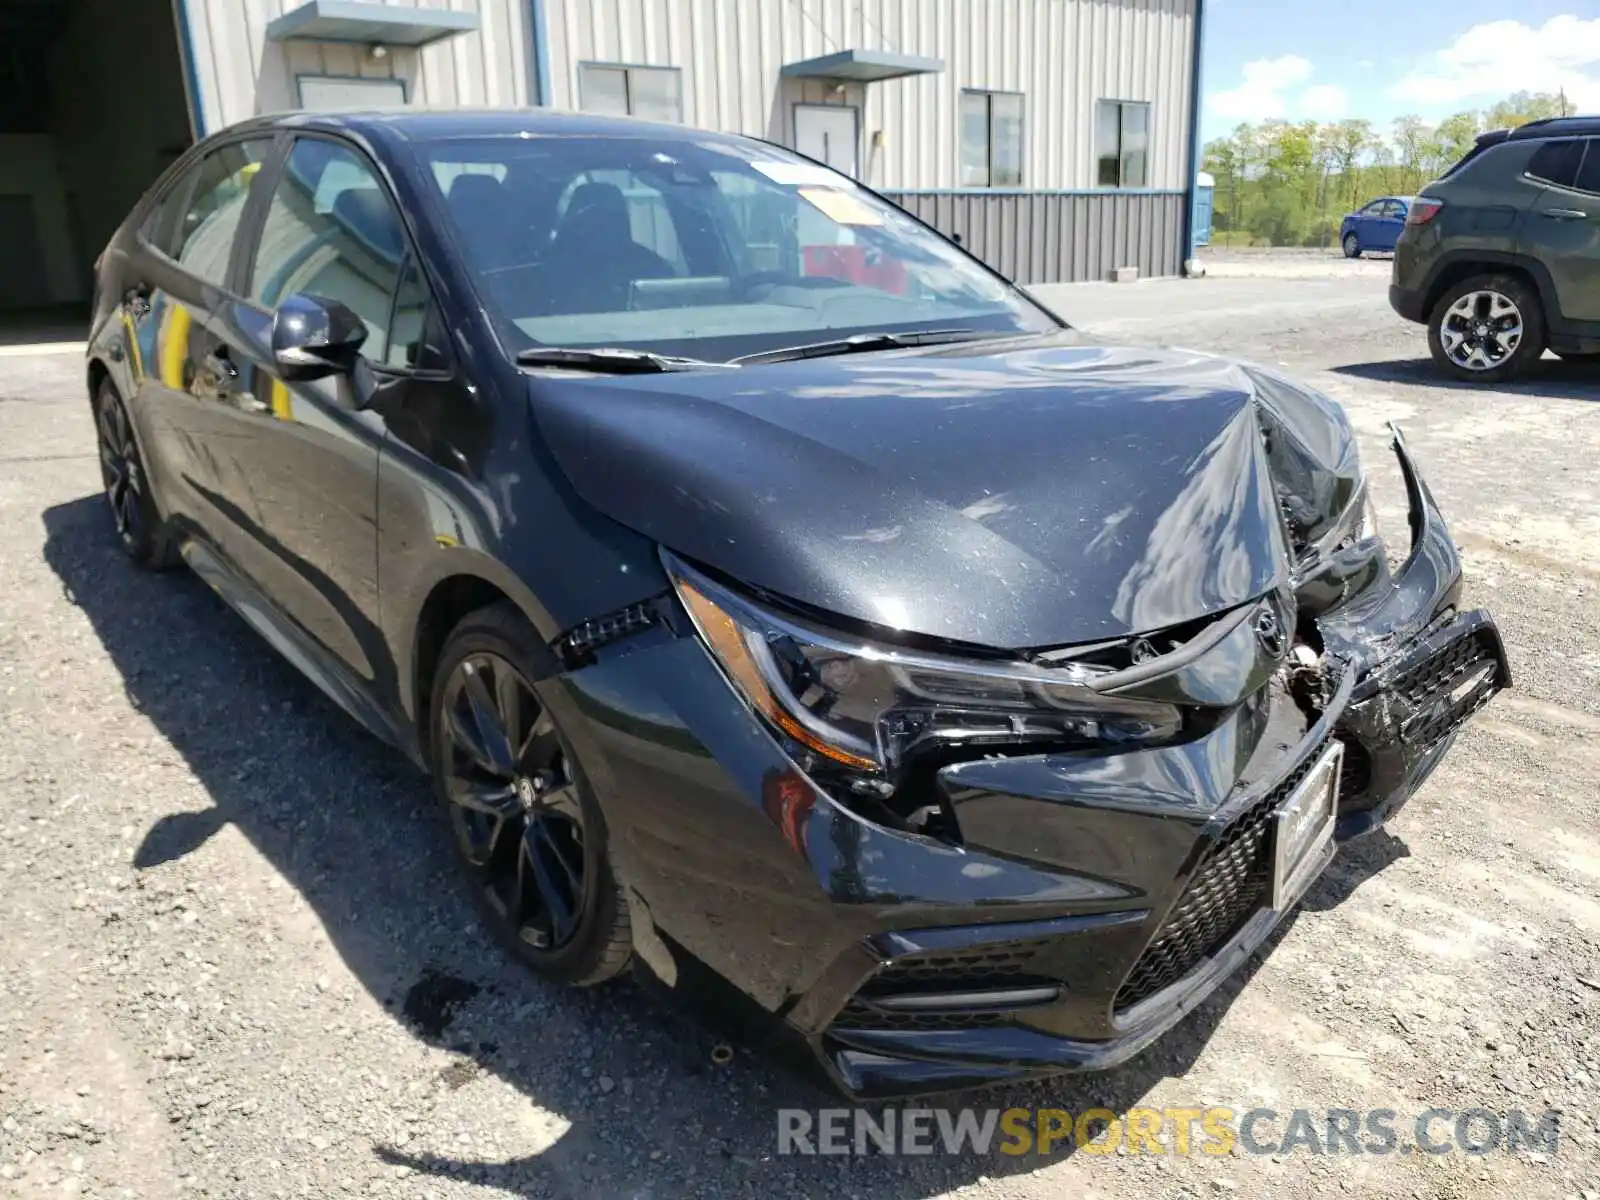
(525, 824)
(1487, 329)
(127, 484)
(1352, 246)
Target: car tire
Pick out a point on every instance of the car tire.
(1352, 246)
(521, 815)
(1484, 298)
(134, 515)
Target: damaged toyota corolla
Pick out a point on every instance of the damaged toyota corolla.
(774, 593)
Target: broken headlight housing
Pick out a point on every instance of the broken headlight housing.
(866, 714)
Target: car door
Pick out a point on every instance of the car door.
(296, 471)
(1387, 225)
(176, 286)
(1366, 224)
(1565, 226)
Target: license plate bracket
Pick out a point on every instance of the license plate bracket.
(1302, 828)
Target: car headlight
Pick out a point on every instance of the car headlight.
(866, 712)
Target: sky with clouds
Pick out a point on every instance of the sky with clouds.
(1380, 58)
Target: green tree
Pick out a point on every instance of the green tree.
(1351, 141)
(1411, 139)
(1521, 107)
(1456, 135)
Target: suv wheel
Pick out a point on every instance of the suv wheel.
(1352, 246)
(525, 824)
(1487, 329)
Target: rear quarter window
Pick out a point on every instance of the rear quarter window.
(1557, 162)
(1589, 173)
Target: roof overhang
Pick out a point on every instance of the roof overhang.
(369, 23)
(862, 66)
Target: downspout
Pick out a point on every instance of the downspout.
(1192, 191)
(191, 72)
(539, 67)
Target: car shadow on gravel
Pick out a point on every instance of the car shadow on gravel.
(1553, 377)
(349, 824)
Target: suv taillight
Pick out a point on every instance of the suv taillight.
(1423, 211)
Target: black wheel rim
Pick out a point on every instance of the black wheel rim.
(119, 469)
(514, 802)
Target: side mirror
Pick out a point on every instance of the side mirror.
(313, 337)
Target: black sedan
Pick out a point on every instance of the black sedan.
(768, 586)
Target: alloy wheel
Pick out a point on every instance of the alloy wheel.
(1481, 330)
(514, 804)
(119, 469)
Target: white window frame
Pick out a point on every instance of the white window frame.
(628, 70)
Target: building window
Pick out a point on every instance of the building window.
(653, 93)
(991, 139)
(1122, 143)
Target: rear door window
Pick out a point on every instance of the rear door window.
(1557, 162)
(208, 215)
(331, 230)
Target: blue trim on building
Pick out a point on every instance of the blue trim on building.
(191, 72)
(1026, 191)
(538, 35)
(1193, 191)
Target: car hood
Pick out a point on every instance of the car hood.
(1023, 493)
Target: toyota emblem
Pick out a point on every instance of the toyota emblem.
(1269, 632)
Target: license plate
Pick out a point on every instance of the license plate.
(1303, 827)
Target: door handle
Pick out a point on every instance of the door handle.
(221, 369)
(1567, 214)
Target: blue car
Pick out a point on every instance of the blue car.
(1375, 227)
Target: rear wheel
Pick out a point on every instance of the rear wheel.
(525, 824)
(1352, 246)
(1487, 329)
(127, 485)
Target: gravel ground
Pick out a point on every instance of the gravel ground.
(233, 961)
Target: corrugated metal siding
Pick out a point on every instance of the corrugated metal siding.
(241, 73)
(1060, 238)
(1063, 55)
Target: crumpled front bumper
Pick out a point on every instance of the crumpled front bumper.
(1092, 899)
(1415, 670)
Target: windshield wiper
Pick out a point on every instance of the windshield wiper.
(861, 342)
(613, 360)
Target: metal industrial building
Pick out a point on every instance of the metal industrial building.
(1057, 137)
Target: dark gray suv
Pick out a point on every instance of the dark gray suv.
(1501, 257)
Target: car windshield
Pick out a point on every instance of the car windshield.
(711, 249)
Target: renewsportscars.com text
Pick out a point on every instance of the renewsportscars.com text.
(1178, 1131)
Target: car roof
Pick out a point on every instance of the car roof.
(1549, 127)
(432, 125)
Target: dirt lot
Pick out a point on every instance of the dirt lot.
(232, 960)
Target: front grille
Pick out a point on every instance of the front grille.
(1423, 685)
(1355, 770)
(984, 968)
(860, 1015)
(973, 969)
(1224, 892)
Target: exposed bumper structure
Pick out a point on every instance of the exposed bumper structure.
(1091, 900)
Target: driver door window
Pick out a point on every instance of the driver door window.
(331, 230)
